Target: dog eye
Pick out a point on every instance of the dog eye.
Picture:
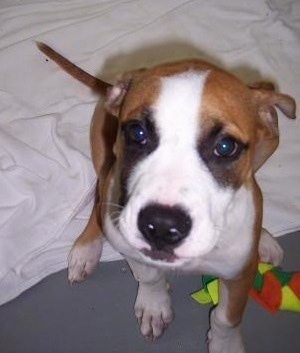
(136, 132)
(226, 147)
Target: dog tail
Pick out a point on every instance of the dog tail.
(94, 83)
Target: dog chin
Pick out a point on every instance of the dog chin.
(159, 255)
(168, 257)
(159, 258)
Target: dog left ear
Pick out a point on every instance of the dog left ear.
(266, 101)
(117, 92)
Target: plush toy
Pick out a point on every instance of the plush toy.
(273, 288)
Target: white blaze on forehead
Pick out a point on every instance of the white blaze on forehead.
(178, 106)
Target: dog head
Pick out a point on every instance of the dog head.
(190, 138)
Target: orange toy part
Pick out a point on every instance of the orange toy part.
(270, 295)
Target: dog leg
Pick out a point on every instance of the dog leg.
(86, 251)
(224, 335)
(153, 303)
(269, 249)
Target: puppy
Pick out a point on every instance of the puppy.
(175, 148)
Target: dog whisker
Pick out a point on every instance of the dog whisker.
(115, 215)
(113, 204)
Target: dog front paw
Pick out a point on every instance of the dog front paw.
(269, 249)
(83, 259)
(153, 309)
(223, 338)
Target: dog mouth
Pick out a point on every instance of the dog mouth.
(160, 255)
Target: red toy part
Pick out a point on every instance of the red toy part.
(294, 284)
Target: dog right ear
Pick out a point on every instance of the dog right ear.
(266, 100)
(117, 93)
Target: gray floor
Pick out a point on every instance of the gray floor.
(96, 316)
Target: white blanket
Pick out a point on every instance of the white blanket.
(46, 175)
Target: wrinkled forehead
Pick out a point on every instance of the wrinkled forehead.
(194, 94)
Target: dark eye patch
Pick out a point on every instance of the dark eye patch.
(139, 139)
(220, 150)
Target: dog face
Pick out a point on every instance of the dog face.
(190, 138)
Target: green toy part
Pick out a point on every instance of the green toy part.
(273, 288)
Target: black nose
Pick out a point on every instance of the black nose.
(164, 226)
